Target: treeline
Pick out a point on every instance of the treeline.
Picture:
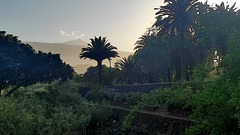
(197, 43)
(185, 34)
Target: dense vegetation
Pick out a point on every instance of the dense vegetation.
(190, 42)
(22, 66)
(55, 108)
(211, 90)
(214, 105)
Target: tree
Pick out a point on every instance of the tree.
(151, 55)
(22, 66)
(214, 25)
(174, 19)
(130, 72)
(98, 50)
(108, 76)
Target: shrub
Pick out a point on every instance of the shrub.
(130, 98)
(100, 112)
(55, 108)
(22, 116)
(96, 94)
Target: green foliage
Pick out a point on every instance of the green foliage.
(213, 109)
(130, 98)
(95, 94)
(200, 75)
(109, 75)
(216, 107)
(175, 97)
(55, 108)
(132, 115)
(208, 34)
(100, 112)
(231, 62)
(69, 120)
(215, 104)
(79, 78)
(23, 116)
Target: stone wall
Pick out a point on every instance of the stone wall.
(150, 123)
(141, 87)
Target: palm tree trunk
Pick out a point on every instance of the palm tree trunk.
(99, 64)
(169, 62)
(182, 56)
(109, 59)
(183, 65)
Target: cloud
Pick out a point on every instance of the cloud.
(80, 36)
(62, 32)
(73, 34)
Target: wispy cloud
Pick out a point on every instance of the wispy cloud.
(73, 34)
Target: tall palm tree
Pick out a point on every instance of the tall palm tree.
(174, 19)
(98, 50)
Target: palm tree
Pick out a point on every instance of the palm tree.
(148, 38)
(129, 71)
(174, 19)
(150, 52)
(98, 50)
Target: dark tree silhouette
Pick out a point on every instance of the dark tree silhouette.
(22, 66)
(152, 56)
(108, 77)
(98, 50)
(130, 72)
(174, 19)
(213, 27)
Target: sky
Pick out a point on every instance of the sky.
(55, 21)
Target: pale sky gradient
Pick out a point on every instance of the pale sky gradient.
(121, 21)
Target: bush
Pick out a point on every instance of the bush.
(213, 111)
(100, 112)
(22, 116)
(96, 94)
(130, 98)
(55, 108)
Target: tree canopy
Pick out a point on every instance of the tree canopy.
(21, 65)
(186, 33)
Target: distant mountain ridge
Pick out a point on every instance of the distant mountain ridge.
(76, 42)
(69, 53)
